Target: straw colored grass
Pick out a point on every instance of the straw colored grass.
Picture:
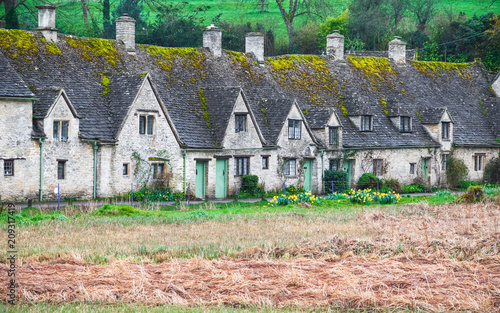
(434, 284)
(464, 232)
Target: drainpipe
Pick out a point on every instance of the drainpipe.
(184, 169)
(40, 140)
(322, 171)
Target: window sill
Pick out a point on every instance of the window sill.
(293, 138)
(294, 176)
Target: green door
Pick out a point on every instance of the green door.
(307, 175)
(200, 179)
(349, 167)
(221, 178)
(425, 169)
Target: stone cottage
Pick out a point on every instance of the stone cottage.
(96, 117)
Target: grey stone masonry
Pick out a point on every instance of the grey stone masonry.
(212, 39)
(47, 22)
(496, 85)
(125, 31)
(335, 45)
(397, 50)
(254, 43)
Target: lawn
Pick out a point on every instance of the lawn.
(423, 253)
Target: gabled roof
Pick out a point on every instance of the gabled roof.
(319, 84)
(11, 84)
(47, 99)
(431, 115)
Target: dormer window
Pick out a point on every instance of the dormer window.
(60, 130)
(333, 136)
(366, 123)
(294, 129)
(240, 123)
(445, 130)
(405, 124)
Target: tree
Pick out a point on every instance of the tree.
(398, 9)
(297, 8)
(369, 20)
(106, 20)
(11, 21)
(424, 10)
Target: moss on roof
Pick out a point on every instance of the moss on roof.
(431, 68)
(95, 49)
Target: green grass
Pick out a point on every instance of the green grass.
(138, 308)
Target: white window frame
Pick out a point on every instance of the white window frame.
(148, 128)
(290, 167)
(294, 129)
(363, 123)
(241, 166)
(377, 167)
(240, 122)
(57, 131)
(402, 126)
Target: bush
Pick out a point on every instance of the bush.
(456, 171)
(249, 184)
(414, 188)
(492, 171)
(292, 199)
(391, 184)
(368, 181)
(465, 184)
(340, 181)
(291, 190)
(473, 194)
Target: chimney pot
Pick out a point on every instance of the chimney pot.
(125, 31)
(212, 39)
(335, 45)
(47, 21)
(254, 43)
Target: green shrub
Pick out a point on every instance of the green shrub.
(456, 171)
(466, 184)
(391, 184)
(414, 188)
(368, 181)
(291, 190)
(121, 210)
(249, 184)
(340, 181)
(492, 171)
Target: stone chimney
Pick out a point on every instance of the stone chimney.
(254, 43)
(212, 39)
(125, 31)
(47, 21)
(335, 45)
(397, 50)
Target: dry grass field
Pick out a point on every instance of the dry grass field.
(416, 256)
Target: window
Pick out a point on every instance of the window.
(146, 124)
(377, 167)
(445, 131)
(265, 162)
(444, 162)
(60, 131)
(334, 135)
(335, 165)
(60, 169)
(366, 123)
(405, 124)
(241, 166)
(125, 169)
(290, 166)
(8, 167)
(240, 122)
(479, 162)
(157, 169)
(294, 129)
(412, 168)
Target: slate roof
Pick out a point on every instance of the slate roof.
(320, 86)
(46, 98)
(11, 84)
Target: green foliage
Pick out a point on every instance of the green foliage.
(203, 102)
(11, 20)
(465, 184)
(33, 215)
(367, 197)
(331, 23)
(443, 193)
(155, 195)
(121, 210)
(368, 181)
(250, 184)
(456, 171)
(414, 188)
(492, 171)
(340, 181)
(391, 184)
(305, 197)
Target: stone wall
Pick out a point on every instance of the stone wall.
(16, 144)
